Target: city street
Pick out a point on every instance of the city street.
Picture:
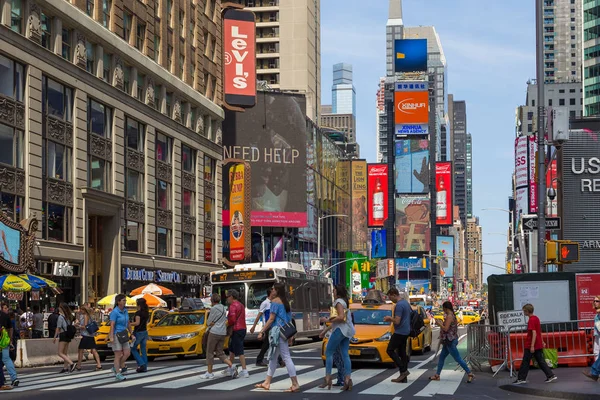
(181, 378)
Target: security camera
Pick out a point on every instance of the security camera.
(551, 194)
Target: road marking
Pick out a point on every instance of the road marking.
(257, 378)
(357, 377)
(396, 398)
(44, 383)
(450, 381)
(303, 379)
(26, 377)
(303, 351)
(387, 387)
(434, 355)
(305, 358)
(194, 380)
(143, 380)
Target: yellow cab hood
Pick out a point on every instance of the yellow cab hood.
(370, 332)
(175, 330)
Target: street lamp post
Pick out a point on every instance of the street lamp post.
(319, 231)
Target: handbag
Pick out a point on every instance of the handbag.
(287, 330)
(123, 336)
(92, 327)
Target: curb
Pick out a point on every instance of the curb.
(549, 393)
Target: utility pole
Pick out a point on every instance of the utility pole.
(541, 157)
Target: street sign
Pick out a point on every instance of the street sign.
(552, 223)
(511, 319)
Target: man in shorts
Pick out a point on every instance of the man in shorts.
(236, 323)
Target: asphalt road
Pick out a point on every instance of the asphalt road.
(180, 378)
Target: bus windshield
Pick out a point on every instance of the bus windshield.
(257, 293)
(222, 290)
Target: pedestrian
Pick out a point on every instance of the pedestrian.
(88, 341)
(449, 342)
(279, 316)
(52, 322)
(338, 362)
(595, 370)
(534, 346)
(37, 331)
(6, 327)
(264, 312)
(140, 331)
(217, 333)
(400, 319)
(236, 324)
(342, 329)
(119, 336)
(65, 319)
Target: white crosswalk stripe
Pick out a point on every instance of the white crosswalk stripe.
(252, 380)
(357, 378)
(451, 381)
(387, 387)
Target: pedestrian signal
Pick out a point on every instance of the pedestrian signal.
(568, 252)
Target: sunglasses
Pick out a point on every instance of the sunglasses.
(596, 301)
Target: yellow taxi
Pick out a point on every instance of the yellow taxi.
(439, 316)
(467, 317)
(104, 350)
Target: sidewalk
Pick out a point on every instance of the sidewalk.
(571, 384)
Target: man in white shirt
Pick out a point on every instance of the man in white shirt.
(265, 312)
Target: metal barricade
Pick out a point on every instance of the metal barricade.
(487, 344)
(573, 341)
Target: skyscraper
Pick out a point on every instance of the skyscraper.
(458, 121)
(591, 87)
(469, 164)
(394, 29)
(562, 40)
(341, 114)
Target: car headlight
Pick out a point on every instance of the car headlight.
(189, 335)
(385, 337)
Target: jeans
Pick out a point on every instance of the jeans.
(265, 348)
(337, 341)
(140, 339)
(595, 367)
(339, 364)
(37, 334)
(282, 350)
(539, 356)
(10, 366)
(398, 345)
(453, 351)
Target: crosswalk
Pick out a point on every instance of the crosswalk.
(367, 382)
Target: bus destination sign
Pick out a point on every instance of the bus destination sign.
(242, 276)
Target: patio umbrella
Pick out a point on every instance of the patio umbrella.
(110, 301)
(14, 283)
(151, 300)
(38, 280)
(152, 288)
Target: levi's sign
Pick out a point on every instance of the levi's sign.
(509, 319)
(239, 58)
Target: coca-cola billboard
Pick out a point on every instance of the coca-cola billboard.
(443, 187)
(377, 194)
(413, 233)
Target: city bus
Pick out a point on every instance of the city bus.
(422, 300)
(310, 296)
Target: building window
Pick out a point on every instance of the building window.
(140, 37)
(133, 236)
(127, 18)
(213, 48)
(209, 169)
(208, 247)
(140, 87)
(181, 22)
(572, 102)
(188, 202)
(106, 67)
(549, 102)
(188, 246)
(57, 100)
(56, 222)
(561, 102)
(99, 174)
(134, 182)
(156, 48)
(12, 79)
(66, 44)
(12, 206)
(188, 159)
(192, 31)
(170, 13)
(11, 146)
(89, 51)
(163, 148)
(16, 16)
(209, 212)
(163, 241)
(59, 160)
(181, 65)
(169, 57)
(106, 8)
(157, 91)
(135, 135)
(163, 195)
(89, 8)
(46, 22)
(168, 101)
(127, 79)
(99, 119)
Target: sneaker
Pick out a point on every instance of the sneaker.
(120, 377)
(234, 372)
(124, 369)
(519, 382)
(72, 367)
(207, 376)
(244, 374)
(15, 383)
(551, 379)
(592, 377)
(227, 371)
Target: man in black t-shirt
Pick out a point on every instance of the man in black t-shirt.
(52, 323)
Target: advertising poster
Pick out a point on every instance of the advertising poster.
(532, 181)
(412, 166)
(445, 255)
(10, 240)
(416, 286)
(360, 231)
(357, 272)
(410, 55)
(588, 287)
(343, 202)
(272, 138)
(444, 189)
(377, 183)
(411, 113)
(412, 223)
(236, 206)
(552, 182)
(378, 243)
(411, 264)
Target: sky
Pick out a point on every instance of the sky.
(490, 54)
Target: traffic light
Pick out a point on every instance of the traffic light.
(568, 252)
(551, 251)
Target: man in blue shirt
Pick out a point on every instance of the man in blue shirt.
(401, 319)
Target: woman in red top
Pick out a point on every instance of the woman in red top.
(533, 348)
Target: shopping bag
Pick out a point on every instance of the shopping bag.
(551, 357)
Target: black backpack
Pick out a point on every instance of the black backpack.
(417, 324)
(71, 331)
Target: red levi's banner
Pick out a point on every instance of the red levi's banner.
(588, 287)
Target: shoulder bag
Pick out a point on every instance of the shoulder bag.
(123, 336)
(287, 330)
(92, 327)
(205, 336)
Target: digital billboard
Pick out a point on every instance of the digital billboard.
(378, 243)
(343, 202)
(412, 166)
(271, 137)
(413, 231)
(360, 231)
(377, 184)
(411, 112)
(444, 192)
(445, 255)
(417, 286)
(237, 232)
(411, 264)
(410, 55)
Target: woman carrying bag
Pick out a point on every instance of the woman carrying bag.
(65, 331)
(119, 336)
(282, 331)
(215, 336)
(88, 328)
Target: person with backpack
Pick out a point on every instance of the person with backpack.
(88, 328)
(401, 322)
(449, 341)
(65, 332)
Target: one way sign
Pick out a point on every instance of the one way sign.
(552, 224)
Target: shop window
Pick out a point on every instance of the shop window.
(164, 145)
(163, 195)
(133, 236)
(209, 205)
(209, 169)
(188, 202)
(163, 242)
(12, 206)
(135, 134)
(11, 146)
(56, 222)
(59, 160)
(12, 78)
(188, 159)
(100, 119)
(16, 16)
(208, 250)
(188, 246)
(99, 174)
(134, 182)
(46, 23)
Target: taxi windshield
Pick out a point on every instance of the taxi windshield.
(370, 317)
(182, 319)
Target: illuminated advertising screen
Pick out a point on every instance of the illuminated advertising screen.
(412, 166)
(411, 113)
(378, 243)
(377, 182)
(444, 192)
(360, 231)
(413, 232)
(11, 244)
(411, 264)
(237, 212)
(271, 137)
(410, 55)
(445, 255)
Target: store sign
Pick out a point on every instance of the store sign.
(158, 276)
(62, 269)
(193, 279)
(590, 166)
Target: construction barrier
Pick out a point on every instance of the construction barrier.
(487, 344)
(40, 352)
